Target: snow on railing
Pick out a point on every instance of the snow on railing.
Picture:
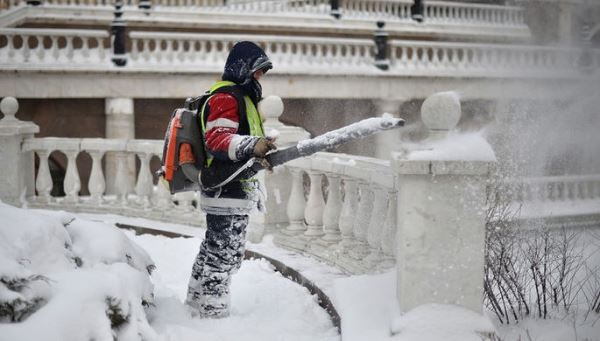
(209, 51)
(354, 231)
(53, 46)
(147, 200)
(435, 58)
(466, 13)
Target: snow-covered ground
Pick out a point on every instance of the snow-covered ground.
(75, 270)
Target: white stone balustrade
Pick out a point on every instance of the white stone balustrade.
(447, 59)
(389, 10)
(209, 51)
(148, 200)
(467, 13)
(437, 12)
(73, 48)
(348, 230)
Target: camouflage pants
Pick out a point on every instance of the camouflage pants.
(220, 256)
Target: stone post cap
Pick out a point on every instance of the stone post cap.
(10, 125)
(441, 111)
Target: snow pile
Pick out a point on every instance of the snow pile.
(63, 278)
(264, 305)
(455, 147)
(441, 322)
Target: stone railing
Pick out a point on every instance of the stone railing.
(88, 49)
(437, 58)
(468, 13)
(209, 51)
(558, 188)
(436, 12)
(354, 231)
(76, 48)
(149, 200)
(389, 10)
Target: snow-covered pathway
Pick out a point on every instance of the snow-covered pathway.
(265, 305)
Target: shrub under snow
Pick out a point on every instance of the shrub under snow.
(63, 278)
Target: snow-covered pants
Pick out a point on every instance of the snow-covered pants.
(220, 256)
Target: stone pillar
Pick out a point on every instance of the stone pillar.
(441, 213)
(119, 125)
(277, 184)
(16, 166)
(386, 141)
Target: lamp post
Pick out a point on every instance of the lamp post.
(417, 10)
(119, 37)
(381, 47)
(335, 9)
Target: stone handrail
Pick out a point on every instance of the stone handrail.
(209, 51)
(354, 231)
(442, 58)
(147, 200)
(54, 46)
(468, 13)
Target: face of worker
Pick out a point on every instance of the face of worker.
(258, 74)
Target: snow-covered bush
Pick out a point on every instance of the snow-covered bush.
(64, 279)
(532, 271)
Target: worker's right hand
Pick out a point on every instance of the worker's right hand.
(263, 146)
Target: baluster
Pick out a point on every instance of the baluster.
(333, 207)
(121, 182)
(146, 50)
(39, 49)
(388, 236)
(72, 183)
(43, 182)
(143, 187)
(361, 222)
(375, 229)
(69, 49)
(25, 48)
(162, 197)
(348, 214)
(313, 212)
(96, 184)
(85, 48)
(296, 204)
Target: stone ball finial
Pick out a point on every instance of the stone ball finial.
(9, 107)
(441, 111)
(271, 107)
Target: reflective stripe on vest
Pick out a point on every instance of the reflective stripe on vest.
(254, 122)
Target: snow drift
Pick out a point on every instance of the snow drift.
(62, 278)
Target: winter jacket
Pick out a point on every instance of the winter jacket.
(230, 134)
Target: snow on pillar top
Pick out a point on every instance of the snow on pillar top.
(440, 113)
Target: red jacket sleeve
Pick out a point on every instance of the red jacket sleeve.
(222, 140)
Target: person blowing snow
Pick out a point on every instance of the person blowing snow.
(233, 131)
